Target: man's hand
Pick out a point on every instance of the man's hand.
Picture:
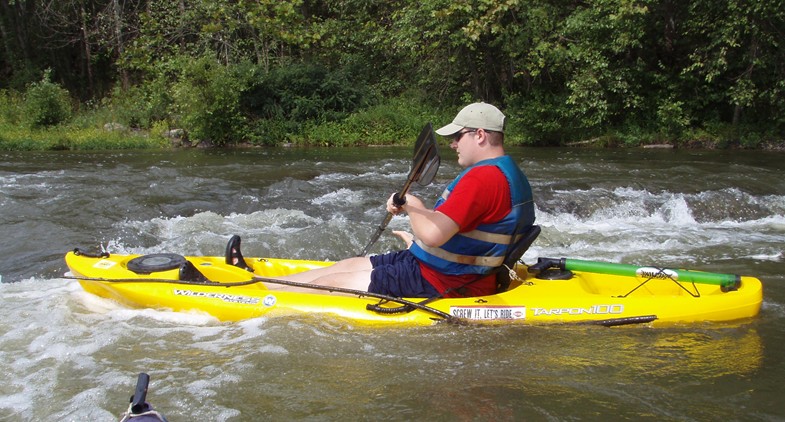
(407, 237)
(432, 227)
(411, 200)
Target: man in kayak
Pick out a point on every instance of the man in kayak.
(459, 243)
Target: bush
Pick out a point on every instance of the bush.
(397, 121)
(139, 106)
(207, 101)
(10, 107)
(672, 119)
(272, 132)
(306, 92)
(46, 103)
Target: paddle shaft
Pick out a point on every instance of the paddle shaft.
(399, 199)
(426, 151)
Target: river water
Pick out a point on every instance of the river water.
(68, 355)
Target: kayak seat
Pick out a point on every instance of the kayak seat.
(233, 254)
(515, 253)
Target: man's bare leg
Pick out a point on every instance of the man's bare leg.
(350, 273)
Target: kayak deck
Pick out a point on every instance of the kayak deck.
(231, 294)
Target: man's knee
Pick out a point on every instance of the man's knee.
(358, 263)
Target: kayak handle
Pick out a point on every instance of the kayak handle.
(546, 264)
(102, 254)
(389, 311)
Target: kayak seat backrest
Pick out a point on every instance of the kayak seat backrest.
(515, 253)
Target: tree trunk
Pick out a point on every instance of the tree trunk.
(736, 115)
(9, 51)
(17, 19)
(118, 32)
(87, 53)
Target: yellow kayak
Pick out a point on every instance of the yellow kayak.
(553, 291)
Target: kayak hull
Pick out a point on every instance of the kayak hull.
(583, 298)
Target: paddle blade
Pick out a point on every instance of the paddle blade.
(429, 172)
(426, 157)
(426, 163)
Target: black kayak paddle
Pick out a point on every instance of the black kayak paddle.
(424, 168)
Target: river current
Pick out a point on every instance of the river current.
(68, 355)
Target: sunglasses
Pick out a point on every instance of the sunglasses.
(457, 137)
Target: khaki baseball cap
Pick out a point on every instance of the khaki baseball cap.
(475, 116)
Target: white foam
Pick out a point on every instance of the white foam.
(341, 196)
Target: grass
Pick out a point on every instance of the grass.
(17, 138)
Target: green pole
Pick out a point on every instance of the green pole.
(724, 280)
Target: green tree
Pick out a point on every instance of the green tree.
(737, 61)
(562, 70)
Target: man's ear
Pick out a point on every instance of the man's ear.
(483, 135)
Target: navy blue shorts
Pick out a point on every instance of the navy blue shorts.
(398, 274)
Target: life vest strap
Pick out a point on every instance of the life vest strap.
(484, 261)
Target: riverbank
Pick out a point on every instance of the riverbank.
(118, 137)
(98, 139)
(394, 122)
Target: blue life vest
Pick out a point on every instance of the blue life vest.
(483, 249)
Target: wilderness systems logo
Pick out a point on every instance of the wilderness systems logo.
(246, 300)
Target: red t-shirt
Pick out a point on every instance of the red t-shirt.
(482, 196)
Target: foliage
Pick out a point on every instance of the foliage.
(46, 103)
(625, 71)
(303, 92)
(10, 107)
(672, 119)
(283, 100)
(395, 122)
(206, 100)
(139, 106)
